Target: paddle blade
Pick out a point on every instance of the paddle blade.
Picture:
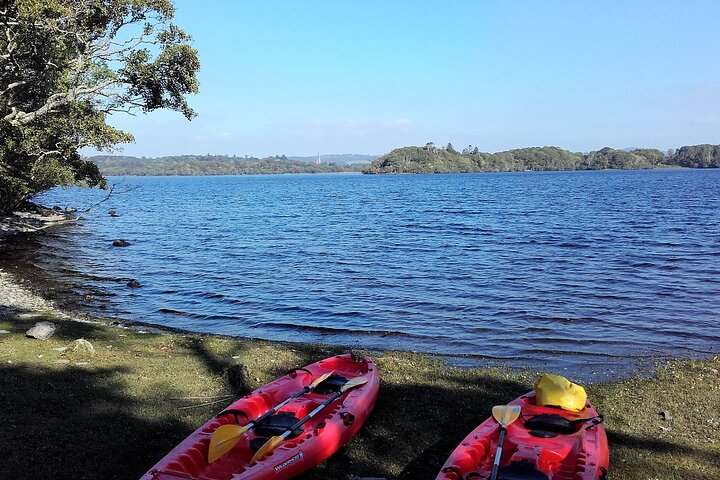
(223, 440)
(268, 447)
(355, 382)
(506, 414)
(320, 379)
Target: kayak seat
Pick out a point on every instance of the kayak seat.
(277, 425)
(551, 423)
(332, 384)
(520, 471)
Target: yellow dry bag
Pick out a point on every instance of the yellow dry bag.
(556, 391)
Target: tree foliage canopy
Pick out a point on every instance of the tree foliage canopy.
(433, 160)
(67, 64)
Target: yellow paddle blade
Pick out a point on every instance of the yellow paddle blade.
(506, 414)
(268, 447)
(223, 440)
(321, 379)
(355, 382)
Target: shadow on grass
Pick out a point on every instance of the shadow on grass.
(233, 374)
(78, 424)
(413, 428)
(641, 455)
(20, 321)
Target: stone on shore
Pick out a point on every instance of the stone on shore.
(42, 330)
(82, 345)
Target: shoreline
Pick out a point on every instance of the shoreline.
(145, 388)
(47, 296)
(46, 292)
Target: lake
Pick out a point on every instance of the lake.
(571, 271)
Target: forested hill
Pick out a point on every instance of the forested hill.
(431, 159)
(226, 165)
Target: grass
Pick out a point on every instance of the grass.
(112, 415)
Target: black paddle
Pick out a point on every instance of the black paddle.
(273, 442)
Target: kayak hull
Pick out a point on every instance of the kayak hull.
(580, 453)
(321, 436)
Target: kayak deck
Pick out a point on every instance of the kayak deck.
(535, 449)
(316, 440)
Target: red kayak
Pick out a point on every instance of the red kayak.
(544, 443)
(333, 409)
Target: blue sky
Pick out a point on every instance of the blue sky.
(301, 77)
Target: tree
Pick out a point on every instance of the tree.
(450, 148)
(65, 65)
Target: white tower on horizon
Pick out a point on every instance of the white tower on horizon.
(318, 158)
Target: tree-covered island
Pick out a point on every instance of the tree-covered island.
(432, 159)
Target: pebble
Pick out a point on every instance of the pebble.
(14, 295)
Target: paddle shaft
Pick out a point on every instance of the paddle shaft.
(277, 407)
(310, 415)
(273, 442)
(306, 389)
(498, 453)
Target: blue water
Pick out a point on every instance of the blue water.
(563, 270)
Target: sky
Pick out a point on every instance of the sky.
(302, 77)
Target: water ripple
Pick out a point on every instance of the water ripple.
(570, 270)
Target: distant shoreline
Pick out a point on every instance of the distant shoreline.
(413, 159)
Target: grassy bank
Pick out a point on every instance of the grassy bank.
(115, 413)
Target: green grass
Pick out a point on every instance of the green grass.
(113, 415)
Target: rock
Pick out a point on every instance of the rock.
(3, 331)
(42, 330)
(665, 415)
(112, 213)
(134, 284)
(82, 345)
(70, 210)
(120, 243)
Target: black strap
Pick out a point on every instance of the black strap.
(595, 421)
(234, 413)
(293, 372)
